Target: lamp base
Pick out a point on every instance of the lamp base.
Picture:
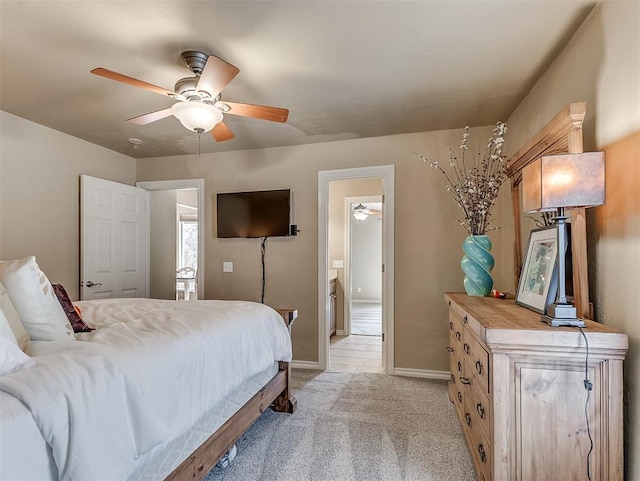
(562, 315)
(556, 322)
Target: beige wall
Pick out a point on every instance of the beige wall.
(338, 191)
(39, 194)
(188, 197)
(601, 65)
(427, 237)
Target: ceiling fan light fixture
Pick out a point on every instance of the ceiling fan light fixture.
(197, 116)
(360, 212)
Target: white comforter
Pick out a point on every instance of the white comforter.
(146, 375)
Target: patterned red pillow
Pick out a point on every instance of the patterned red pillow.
(74, 317)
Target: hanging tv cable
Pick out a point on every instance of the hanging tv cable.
(263, 248)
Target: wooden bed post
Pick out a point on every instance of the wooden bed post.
(285, 402)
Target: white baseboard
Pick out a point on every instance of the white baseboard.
(422, 373)
(340, 332)
(366, 301)
(305, 364)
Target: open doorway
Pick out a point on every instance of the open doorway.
(176, 246)
(363, 267)
(355, 256)
(186, 285)
(337, 190)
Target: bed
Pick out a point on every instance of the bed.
(158, 390)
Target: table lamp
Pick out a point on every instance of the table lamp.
(556, 183)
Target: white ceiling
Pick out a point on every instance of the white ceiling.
(344, 69)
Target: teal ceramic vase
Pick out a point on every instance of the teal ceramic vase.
(477, 263)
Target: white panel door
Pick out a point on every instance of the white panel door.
(113, 246)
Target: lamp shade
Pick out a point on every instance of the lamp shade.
(563, 181)
(196, 116)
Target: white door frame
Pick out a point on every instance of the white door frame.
(387, 174)
(183, 184)
(348, 201)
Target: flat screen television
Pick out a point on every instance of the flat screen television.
(264, 213)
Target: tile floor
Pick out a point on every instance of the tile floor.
(356, 354)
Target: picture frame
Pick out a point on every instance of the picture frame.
(539, 278)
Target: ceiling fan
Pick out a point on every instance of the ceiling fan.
(361, 212)
(199, 105)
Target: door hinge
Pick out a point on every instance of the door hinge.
(383, 337)
(382, 267)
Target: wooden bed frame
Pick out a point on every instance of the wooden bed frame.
(275, 394)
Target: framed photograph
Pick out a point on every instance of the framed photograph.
(539, 277)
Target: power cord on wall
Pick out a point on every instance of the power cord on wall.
(263, 248)
(588, 386)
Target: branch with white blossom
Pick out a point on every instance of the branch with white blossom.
(476, 186)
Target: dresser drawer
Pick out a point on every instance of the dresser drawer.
(477, 362)
(456, 394)
(478, 403)
(456, 331)
(479, 441)
(481, 450)
(457, 364)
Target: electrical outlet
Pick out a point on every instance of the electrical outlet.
(227, 267)
(338, 264)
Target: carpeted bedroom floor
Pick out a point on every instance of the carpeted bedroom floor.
(355, 426)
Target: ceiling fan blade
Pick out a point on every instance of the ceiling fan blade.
(221, 132)
(216, 75)
(150, 117)
(263, 112)
(103, 72)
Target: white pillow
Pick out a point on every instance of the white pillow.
(13, 319)
(5, 330)
(32, 295)
(12, 359)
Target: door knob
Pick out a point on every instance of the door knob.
(91, 284)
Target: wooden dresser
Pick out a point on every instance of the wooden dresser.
(518, 387)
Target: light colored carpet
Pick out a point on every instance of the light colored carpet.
(366, 318)
(355, 426)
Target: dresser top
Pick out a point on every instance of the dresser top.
(502, 321)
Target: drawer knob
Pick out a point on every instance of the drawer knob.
(453, 378)
(480, 409)
(466, 348)
(458, 335)
(465, 319)
(481, 453)
(468, 419)
(451, 325)
(450, 349)
(459, 397)
(459, 366)
(449, 303)
(479, 367)
(464, 380)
